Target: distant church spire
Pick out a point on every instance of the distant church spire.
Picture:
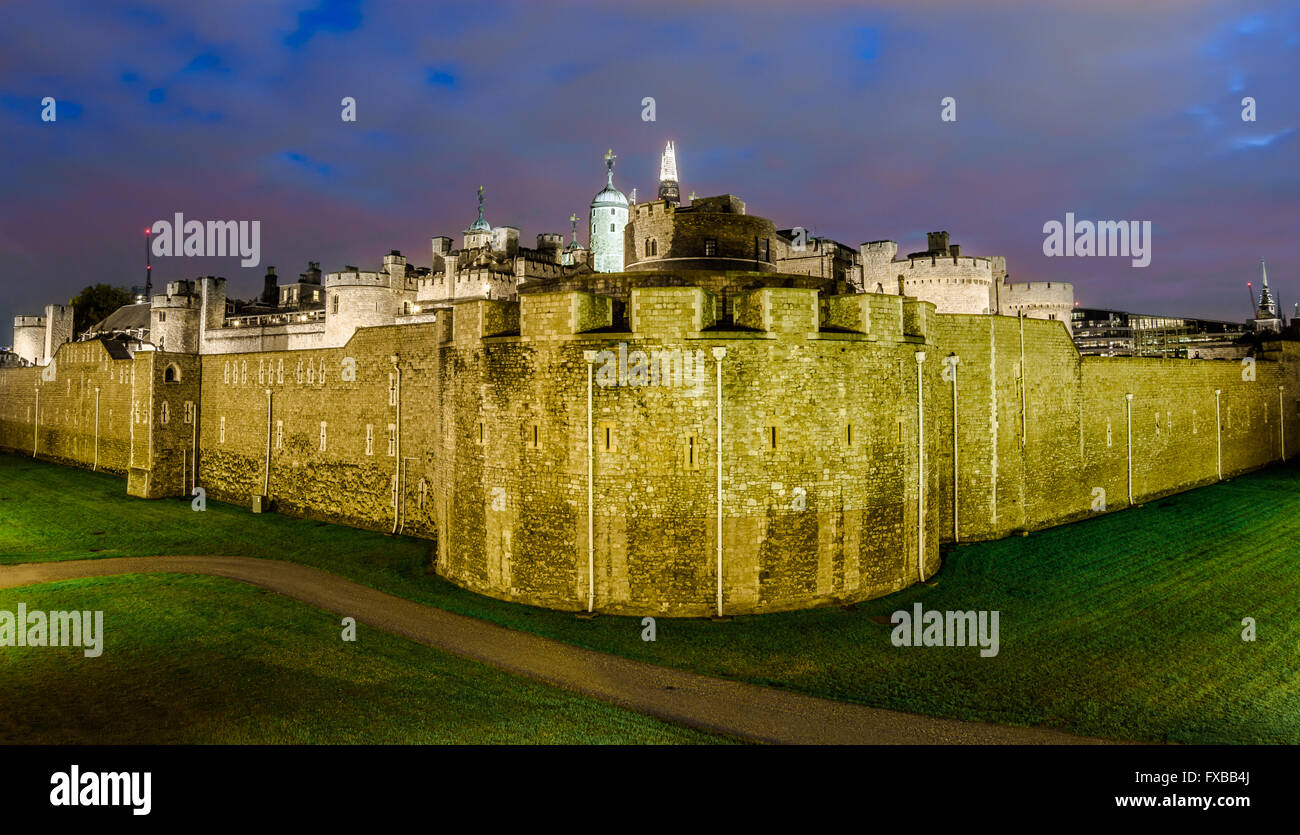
(668, 189)
(1267, 306)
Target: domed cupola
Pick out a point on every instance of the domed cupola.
(479, 232)
(608, 219)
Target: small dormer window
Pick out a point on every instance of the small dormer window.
(710, 246)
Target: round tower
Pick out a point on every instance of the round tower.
(608, 220)
(174, 318)
(29, 338)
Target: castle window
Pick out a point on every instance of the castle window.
(392, 440)
(311, 373)
(480, 432)
(221, 430)
(611, 226)
(370, 439)
(225, 373)
(392, 389)
(279, 371)
(763, 249)
(710, 246)
(691, 452)
(322, 435)
(162, 316)
(334, 303)
(172, 374)
(536, 439)
(243, 371)
(848, 435)
(261, 372)
(165, 415)
(189, 411)
(300, 372)
(279, 434)
(606, 437)
(771, 437)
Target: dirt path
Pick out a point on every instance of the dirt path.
(712, 704)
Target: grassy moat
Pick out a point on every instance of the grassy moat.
(1128, 626)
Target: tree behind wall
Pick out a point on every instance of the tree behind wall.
(94, 303)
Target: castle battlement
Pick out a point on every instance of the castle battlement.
(977, 263)
(669, 313)
(357, 278)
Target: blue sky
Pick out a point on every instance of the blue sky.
(818, 114)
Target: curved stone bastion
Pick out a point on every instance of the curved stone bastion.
(565, 449)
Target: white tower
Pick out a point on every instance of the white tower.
(608, 219)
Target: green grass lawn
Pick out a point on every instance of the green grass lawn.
(1126, 626)
(190, 659)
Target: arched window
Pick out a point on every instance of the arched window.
(172, 374)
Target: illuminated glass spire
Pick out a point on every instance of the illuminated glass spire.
(668, 189)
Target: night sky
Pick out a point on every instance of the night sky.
(823, 115)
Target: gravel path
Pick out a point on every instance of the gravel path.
(735, 708)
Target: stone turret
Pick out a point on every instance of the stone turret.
(608, 220)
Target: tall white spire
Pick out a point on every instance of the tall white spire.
(1267, 307)
(668, 189)
(668, 164)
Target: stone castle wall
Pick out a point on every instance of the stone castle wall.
(1037, 300)
(836, 481)
(270, 406)
(52, 410)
